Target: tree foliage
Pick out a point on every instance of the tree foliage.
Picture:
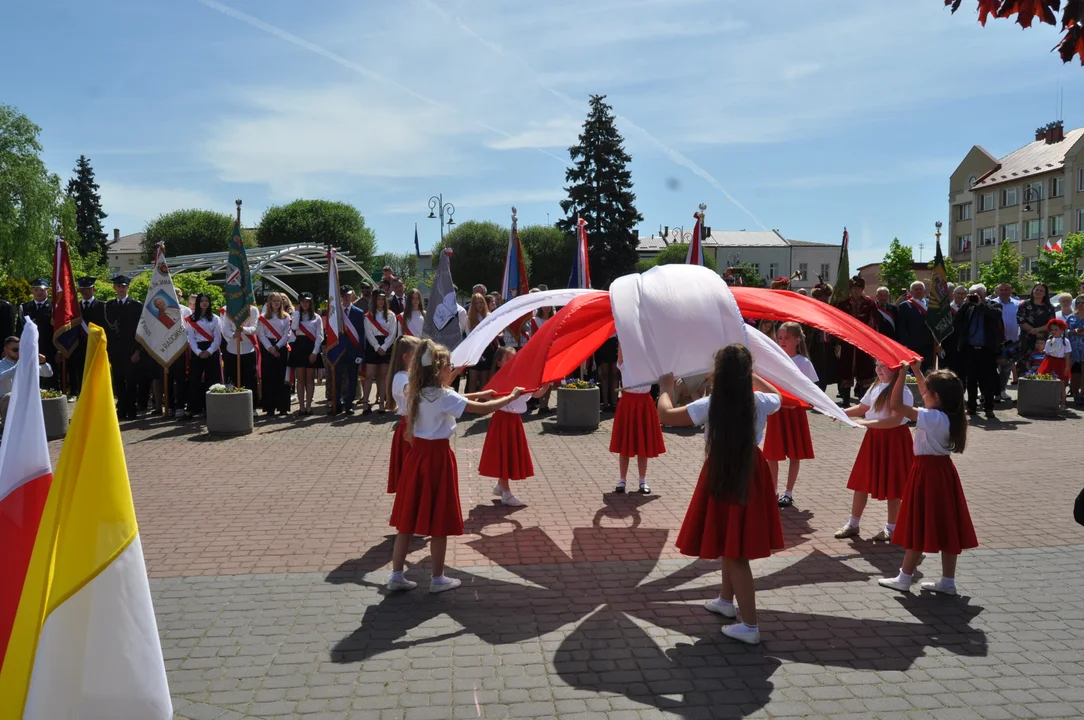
(403, 265)
(321, 222)
(29, 199)
(1027, 11)
(600, 191)
(550, 254)
(188, 283)
(898, 268)
(1004, 267)
(83, 190)
(186, 232)
(750, 277)
(478, 250)
(675, 254)
(1061, 271)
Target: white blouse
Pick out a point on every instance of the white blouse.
(211, 327)
(870, 399)
(517, 406)
(248, 332)
(267, 338)
(1057, 347)
(315, 326)
(386, 326)
(932, 433)
(415, 323)
(636, 390)
(437, 413)
(398, 392)
(806, 366)
(765, 405)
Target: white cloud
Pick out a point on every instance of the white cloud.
(136, 204)
(559, 132)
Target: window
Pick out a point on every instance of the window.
(963, 243)
(1080, 220)
(1057, 186)
(825, 275)
(1034, 192)
(1057, 225)
(964, 274)
(963, 212)
(773, 270)
(1032, 263)
(986, 202)
(1010, 232)
(989, 235)
(1010, 197)
(1033, 229)
(803, 270)
(1080, 182)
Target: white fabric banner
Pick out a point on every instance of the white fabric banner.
(24, 453)
(673, 318)
(161, 328)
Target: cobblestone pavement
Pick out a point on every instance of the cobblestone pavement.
(267, 554)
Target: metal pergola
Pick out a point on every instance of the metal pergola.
(270, 263)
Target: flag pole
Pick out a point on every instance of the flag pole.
(237, 338)
(165, 392)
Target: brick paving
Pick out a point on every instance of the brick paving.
(267, 554)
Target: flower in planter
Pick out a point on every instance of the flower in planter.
(50, 394)
(220, 389)
(1038, 376)
(579, 384)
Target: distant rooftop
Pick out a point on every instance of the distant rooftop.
(127, 243)
(727, 238)
(1041, 156)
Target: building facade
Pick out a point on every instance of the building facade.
(1031, 197)
(124, 252)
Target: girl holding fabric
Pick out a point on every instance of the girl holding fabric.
(788, 430)
(636, 432)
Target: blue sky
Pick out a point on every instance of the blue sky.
(792, 115)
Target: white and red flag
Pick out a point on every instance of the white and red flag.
(695, 255)
(581, 269)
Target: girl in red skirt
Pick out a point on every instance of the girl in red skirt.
(733, 512)
(788, 430)
(427, 491)
(398, 377)
(1058, 350)
(885, 458)
(506, 455)
(933, 515)
(636, 431)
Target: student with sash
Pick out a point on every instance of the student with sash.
(247, 335)
(381, 330)
(911, 329)
(885, 317)
(205, 367)
(346, 363)
(273, 330)
(308, 331)
(412, 319)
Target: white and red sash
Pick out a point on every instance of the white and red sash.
(534, 326)
(403, 325)
(271, 329)
(304, 330)
(198, 328)
(374, 321)
(887, 316)
(918, 306)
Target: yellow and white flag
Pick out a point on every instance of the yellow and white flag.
(84, 642)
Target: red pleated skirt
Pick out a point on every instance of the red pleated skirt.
(787, 436)
(637, 432)
(399, 448)
(1056, 367)
(933, 516)
(715, 528)
(427, 492)
(506, 454)
(883, 463)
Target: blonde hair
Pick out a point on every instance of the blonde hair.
(770, 331)
(424, 377)
(405, 344)
(283, 302)
(795, 330)
(473, 318)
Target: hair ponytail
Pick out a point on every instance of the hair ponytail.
(731, 445)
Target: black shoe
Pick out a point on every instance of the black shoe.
(349, 411)
(989, 414)
(972, 411)
(620, 488)
(644, 489)
(785, 501)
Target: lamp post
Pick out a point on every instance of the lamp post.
(438, 209)
(1031, 194)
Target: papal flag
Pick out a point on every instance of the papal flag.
(77, 628)
(161, 328)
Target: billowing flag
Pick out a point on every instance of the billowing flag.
(695, 256)
(581, 270)
(514, 282)
(333, 322)
(1054, 247)
(238, 280)
(442, 315)
(417, 247)
(161, 329)
(67, 317)
(84, 642)
(939, 310)
(842, 290)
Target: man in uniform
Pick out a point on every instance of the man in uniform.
(886, 313)
(93, 311)
(855, 369)
(121, 322)
(40, 311)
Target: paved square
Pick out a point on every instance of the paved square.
(268, 553)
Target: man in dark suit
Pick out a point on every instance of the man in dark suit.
(978, 334)
(346, 367)
(93, 311)
(911, 328)
(396, 301)
(886, 314)
(7, 320)
(121, 316)
(40, 311)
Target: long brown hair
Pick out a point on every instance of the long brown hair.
(950, 397)
(424, 377)
(408, 300)
(883, 400)
(731, 447)
(405, 344)
(795, 330)
(384, 314)
(473, 317)
(270, 312)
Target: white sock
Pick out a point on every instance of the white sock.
(787, 493)
(439, 580)
(903, 577)
(397, 576)
(852, 522)
(750, 627)
(621, 482)
(506, 493)
(890, 528)
(723, 603)
(946, 582)
(643, 481)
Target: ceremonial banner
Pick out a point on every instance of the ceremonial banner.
(67, 318)
(514, 282)
(238, 280)
(333, 321)
(842, 290)
(939, 313)
(695, 256)
(581, 270)
(161, 329)
(442, 314)
(84, 642)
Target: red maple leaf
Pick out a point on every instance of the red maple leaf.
(1027, 10)
(1072, 44)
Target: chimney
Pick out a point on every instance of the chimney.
(1040, 134)
(116, 234)
(1055, 132)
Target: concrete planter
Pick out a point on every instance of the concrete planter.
(1038, 398)
(577, 409)
(229, 413)
(913, 387)
(56, 416)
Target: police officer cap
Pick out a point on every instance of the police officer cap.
(120, 280)
(87, 282)
(39, 283)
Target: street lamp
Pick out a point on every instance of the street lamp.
(1031, 194)
(440, 209)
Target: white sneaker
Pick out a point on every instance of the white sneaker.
(396, 585)
(742, 633)
(511, 500)
(894, 584)
(717, 606)
(497, 491)
(448, 584)
(937, 587)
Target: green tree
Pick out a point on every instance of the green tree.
(642, 266)
(1061, 271)
(188, 283)
(403, 265)
(1004, 267)
(478, 250)
(318, 221)
(600, 191)
(29, 199)
(675, 254)
(83, 190)
(750, 277)
(898, 268)
(186, 232)
(550, 254)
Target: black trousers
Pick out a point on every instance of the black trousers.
(274, 392)
(202, 374)
(248, 371)
(178, 384)
(125, 383)
(979, 366)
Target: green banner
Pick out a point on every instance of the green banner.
(238, 280)
(939, 313)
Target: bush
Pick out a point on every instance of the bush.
(186, 232)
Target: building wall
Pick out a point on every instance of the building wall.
(123, 262)
(814, 257)
(763, 257)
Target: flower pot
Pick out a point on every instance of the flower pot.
(56, 416)
(577, 409)
(1038, 398)
(229, 413)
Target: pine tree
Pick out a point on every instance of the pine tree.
(600, 191)
(88, 209)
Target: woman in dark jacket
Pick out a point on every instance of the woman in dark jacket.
(1032, 316)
